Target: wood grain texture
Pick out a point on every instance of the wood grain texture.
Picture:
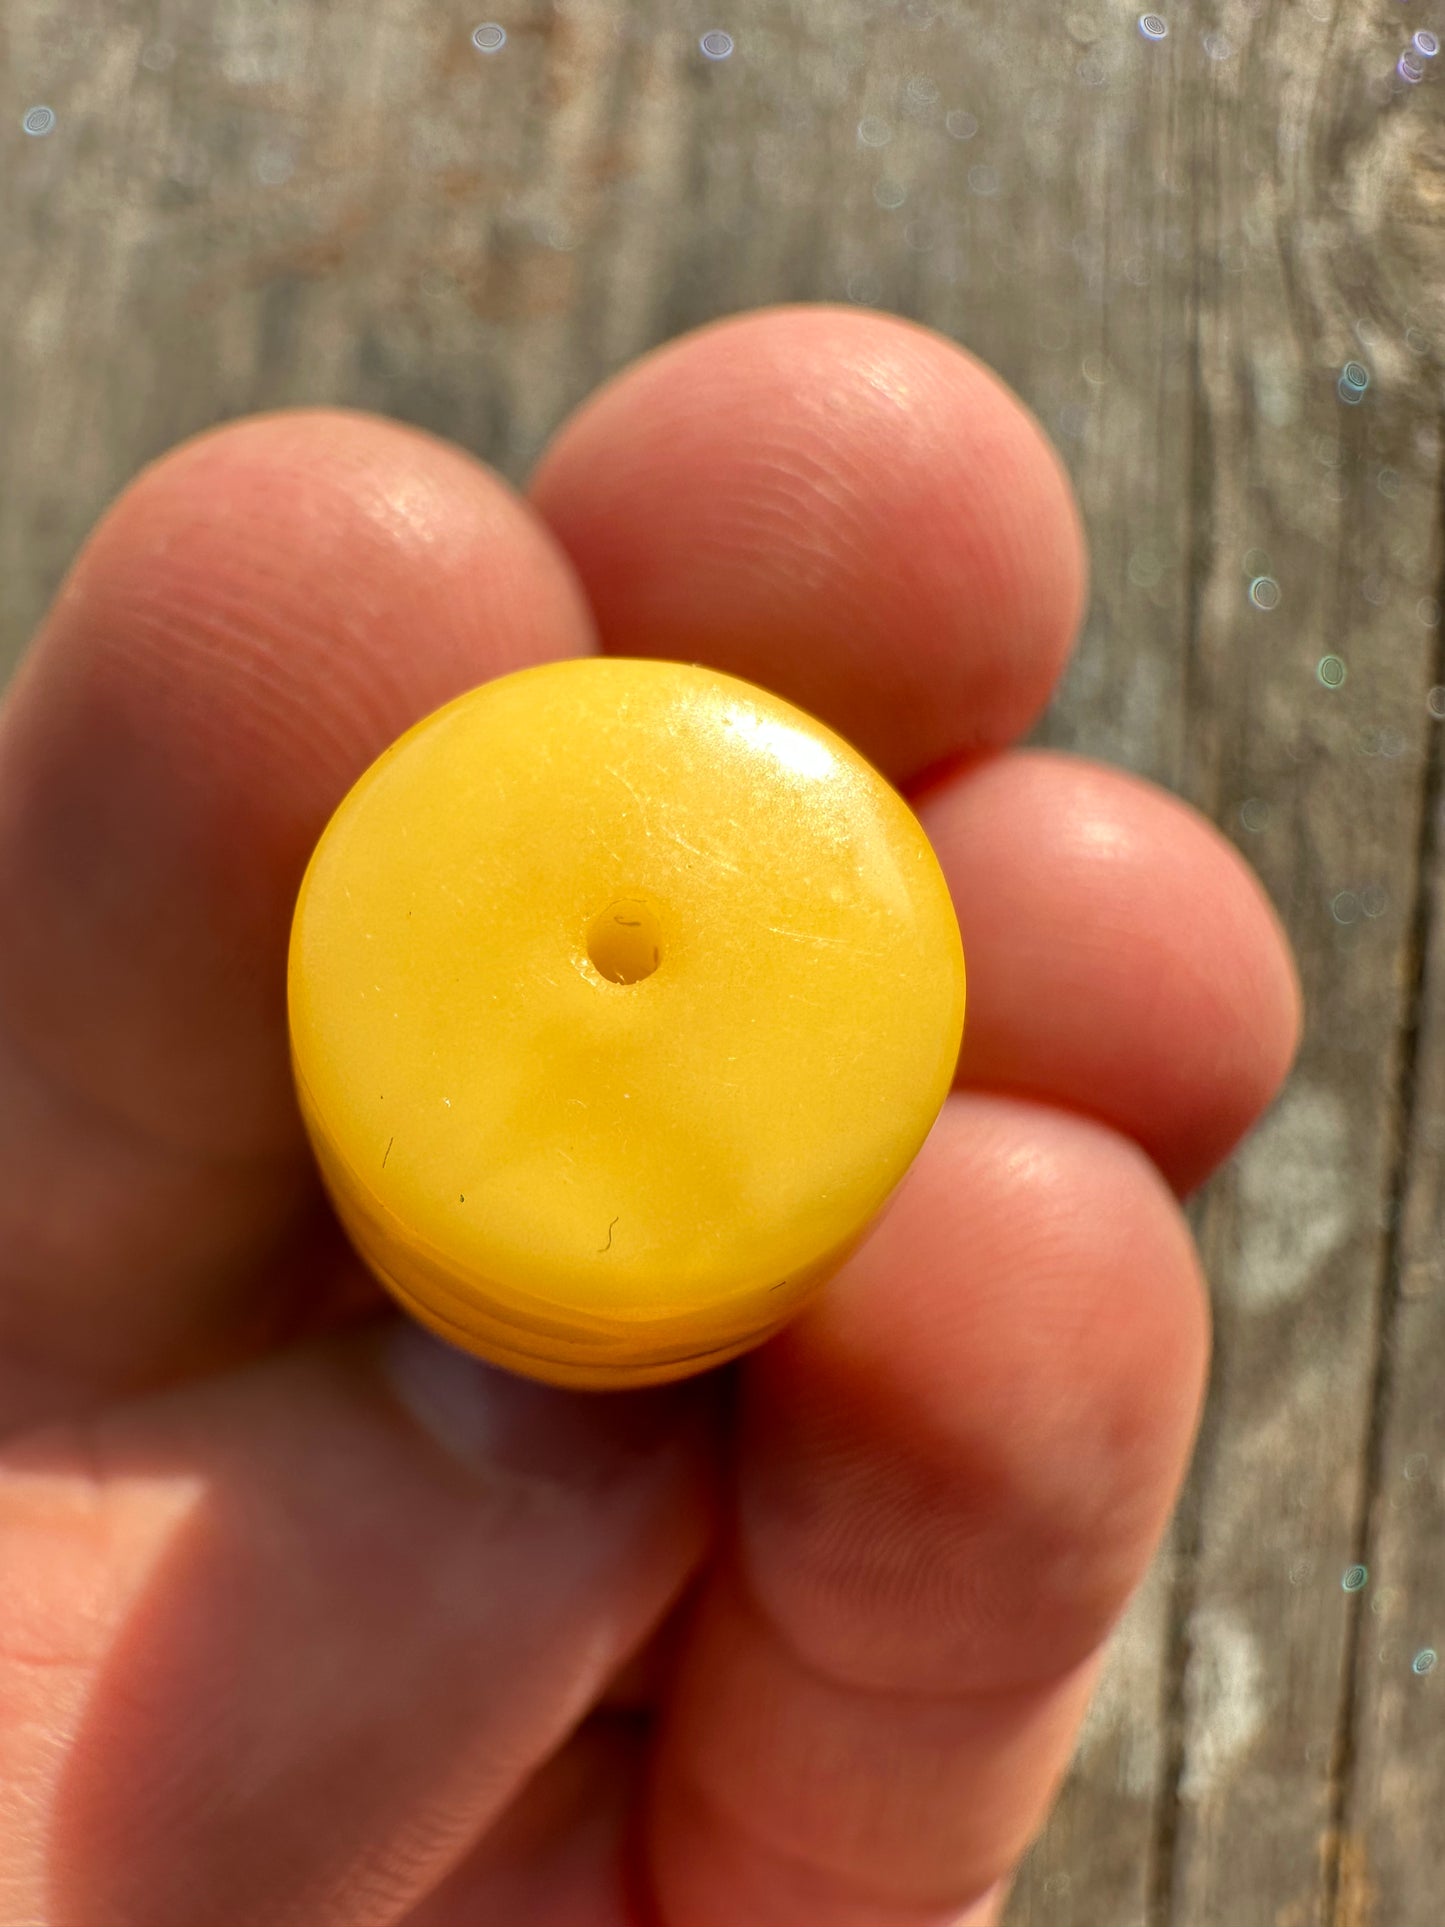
(1171, 248)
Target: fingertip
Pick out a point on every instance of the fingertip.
(252, 621)
(1124, 959)
(843, 506)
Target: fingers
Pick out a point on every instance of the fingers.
(952, 1472)
(897, 1806)
(256, 618)
(560, 1856)
(841, 506)
(283, 1646)
(1123, 959)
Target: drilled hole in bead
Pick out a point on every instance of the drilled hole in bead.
(625, 942)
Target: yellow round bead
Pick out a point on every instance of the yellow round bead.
(622, 996)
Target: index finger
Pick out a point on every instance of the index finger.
(256, 618)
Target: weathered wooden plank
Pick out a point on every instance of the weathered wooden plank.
(1387, 1854)
(1309, 154)
(1170, 247)
(1094, 1860)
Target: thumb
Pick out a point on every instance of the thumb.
(280, 1646)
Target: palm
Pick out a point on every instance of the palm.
(303, 1619)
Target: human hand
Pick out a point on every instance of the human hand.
(305, 1620)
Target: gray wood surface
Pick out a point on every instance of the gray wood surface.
(1171, 248)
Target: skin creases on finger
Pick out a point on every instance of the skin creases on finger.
(842, 506)
(1123, 959)
(953, 1470)
(281, 1645)
(908, 1802)
(561, 1855)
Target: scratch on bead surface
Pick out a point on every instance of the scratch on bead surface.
(631, 791)
(703, 856)
(801, 936)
